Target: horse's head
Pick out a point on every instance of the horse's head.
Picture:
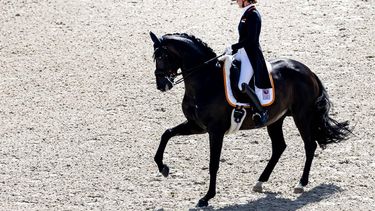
(179, 51)
(166, 64)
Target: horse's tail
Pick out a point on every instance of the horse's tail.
(325, 129)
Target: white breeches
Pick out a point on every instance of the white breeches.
(247, 70)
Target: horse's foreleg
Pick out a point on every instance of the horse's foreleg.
(186, 128)
(216, 143)
(278, 146)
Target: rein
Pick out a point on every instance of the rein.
(194, 69)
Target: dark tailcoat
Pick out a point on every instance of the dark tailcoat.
(249, 30)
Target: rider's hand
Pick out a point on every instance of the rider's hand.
(228, 50)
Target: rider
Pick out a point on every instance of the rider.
(249, 52)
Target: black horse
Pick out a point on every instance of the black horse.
(298, 91)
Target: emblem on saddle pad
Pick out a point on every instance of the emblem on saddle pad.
(266, 94)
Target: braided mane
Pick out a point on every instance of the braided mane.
(198, 42)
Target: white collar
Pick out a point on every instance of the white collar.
(246, 8)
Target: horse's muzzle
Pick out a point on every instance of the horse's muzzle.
(164, 83)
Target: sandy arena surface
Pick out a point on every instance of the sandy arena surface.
(81, 117)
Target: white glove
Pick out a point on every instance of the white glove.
(228, 50)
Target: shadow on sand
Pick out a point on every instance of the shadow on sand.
(273, 202)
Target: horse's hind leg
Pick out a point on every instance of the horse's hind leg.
(278, 146)
(304, 125)
(186, 128)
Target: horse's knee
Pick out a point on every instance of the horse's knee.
(166, 135)
(281, 148)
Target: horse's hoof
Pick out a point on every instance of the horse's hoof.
(258, 187)
(298, 190)
(202, 203)
(165, 171)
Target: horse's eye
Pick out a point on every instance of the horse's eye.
(163, 56)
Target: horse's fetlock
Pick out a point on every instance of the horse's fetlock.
(209, 195)
(167, 134)
(202, 203)
(304, 182)
(165, 171)
(158, 159)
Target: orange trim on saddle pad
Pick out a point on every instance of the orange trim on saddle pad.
(232, 101)
(269, 68)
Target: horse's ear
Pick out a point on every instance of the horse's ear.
(155, 39)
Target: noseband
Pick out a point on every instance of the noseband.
(162, 73)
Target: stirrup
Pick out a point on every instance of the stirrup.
(256, 116)
(260, 118)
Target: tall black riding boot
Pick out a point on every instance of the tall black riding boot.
(260, 116)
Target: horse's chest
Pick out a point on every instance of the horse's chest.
(193, 112)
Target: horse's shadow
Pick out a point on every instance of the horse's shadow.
(273, 202)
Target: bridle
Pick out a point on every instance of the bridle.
(190, 71)
(163, 73)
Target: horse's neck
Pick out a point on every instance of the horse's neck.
(203, 83)
(204, 80)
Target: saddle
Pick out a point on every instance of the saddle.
(235, 98)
